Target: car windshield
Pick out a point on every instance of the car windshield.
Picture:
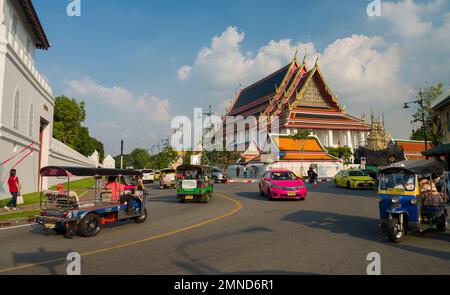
(284, 176)
(357, 173)
(400, 180)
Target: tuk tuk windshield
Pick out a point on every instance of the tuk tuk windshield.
(398, 180)
(357, 173)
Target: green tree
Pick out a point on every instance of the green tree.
(68, 116)
(342, 152)
(67, 127)
(140, 158)
(165, 158)
(429, 93)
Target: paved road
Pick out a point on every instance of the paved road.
(239, 232)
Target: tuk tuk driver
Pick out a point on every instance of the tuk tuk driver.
(409, 182)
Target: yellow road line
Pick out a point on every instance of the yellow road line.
(237, 208)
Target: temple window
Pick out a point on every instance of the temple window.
(14, 25)
(16, 111)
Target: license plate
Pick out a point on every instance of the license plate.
(189, 197)
(292, 194)
(50, 225)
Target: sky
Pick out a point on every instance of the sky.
(139, 63)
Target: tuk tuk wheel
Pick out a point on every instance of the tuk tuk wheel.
(395, 231)
(142, 218)
(181, 199)
(206, 197)
(442, 225)
(90, 225)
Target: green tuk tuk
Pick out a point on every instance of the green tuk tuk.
(194, 183)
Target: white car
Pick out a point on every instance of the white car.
(148, 176)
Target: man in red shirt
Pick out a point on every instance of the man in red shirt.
(116, 188)
(14, 186)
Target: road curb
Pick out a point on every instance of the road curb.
(16, 222)
(243, 181)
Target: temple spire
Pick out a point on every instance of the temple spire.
(296, 54)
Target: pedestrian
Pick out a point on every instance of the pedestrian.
(14, 188)
(245, 171)
(312, 175)
(238, 171)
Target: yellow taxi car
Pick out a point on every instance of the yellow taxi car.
(157, 174)
(354, 179)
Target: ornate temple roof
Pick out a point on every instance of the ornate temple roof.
(301, 99)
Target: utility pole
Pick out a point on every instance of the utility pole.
(420, 102)
(121, 154)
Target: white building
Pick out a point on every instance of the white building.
(26, 101)
(109, 162)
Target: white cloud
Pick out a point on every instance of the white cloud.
(151, 107)
(360, 64)
(224, 65)
(406, 16)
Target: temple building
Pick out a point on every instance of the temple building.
(301, 99)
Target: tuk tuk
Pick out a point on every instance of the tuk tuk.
(194, 183)
(167, 178)
(409, 200)
(85, 199)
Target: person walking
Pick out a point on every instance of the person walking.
(312, 175)
(245, 171)
(238, 171)
(14, 188)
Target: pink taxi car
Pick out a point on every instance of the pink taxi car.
(282, 184)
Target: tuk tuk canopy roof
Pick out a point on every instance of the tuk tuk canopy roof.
(56, 171)
(168, 170)
(422, 168)
(441, 150)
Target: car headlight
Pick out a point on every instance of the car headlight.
(395, 200)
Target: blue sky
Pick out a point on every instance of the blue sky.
(138, 63)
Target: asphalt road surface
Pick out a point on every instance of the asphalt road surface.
(238, 232)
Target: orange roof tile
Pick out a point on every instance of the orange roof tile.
(290, 144)
(317, 157)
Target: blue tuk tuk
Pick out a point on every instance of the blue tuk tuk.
(408, 198)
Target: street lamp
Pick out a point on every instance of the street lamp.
(420, 103)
